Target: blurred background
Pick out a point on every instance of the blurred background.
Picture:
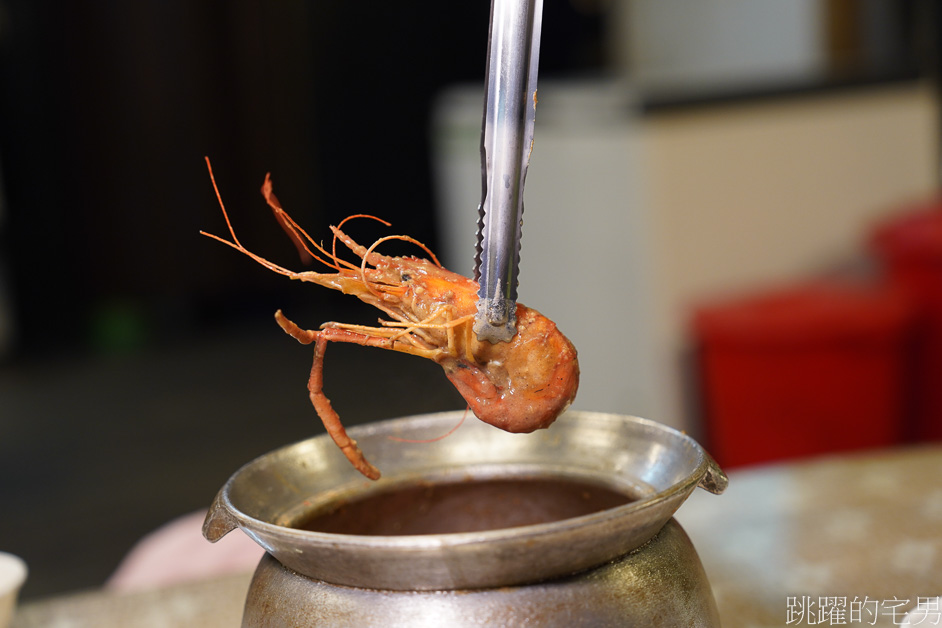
(730, 212)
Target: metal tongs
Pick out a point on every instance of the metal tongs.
(513, 53)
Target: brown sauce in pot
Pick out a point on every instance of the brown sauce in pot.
(463, 506)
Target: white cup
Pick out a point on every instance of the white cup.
(12, 575)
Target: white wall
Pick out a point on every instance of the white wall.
(694, 43)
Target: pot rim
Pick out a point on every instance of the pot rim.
(705, 466)
(496, 557)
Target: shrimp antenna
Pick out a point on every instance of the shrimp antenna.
(295, 232)
(373, 246)
(424, 441)
(222, 205)
(298, 235)
(342, 222)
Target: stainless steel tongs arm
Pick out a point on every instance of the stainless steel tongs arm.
(506, 143)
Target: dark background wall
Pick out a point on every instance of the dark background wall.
(145, 366)
(107, 109)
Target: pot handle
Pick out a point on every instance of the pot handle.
(219, 520)
(714, 479)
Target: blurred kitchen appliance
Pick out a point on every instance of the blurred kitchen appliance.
(628, 564)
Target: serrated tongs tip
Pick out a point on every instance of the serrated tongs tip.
(506, 144)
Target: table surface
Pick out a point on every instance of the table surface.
(850, 540)
(864, 530)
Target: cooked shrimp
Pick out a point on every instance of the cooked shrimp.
(519, 386)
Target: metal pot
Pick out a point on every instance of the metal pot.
(658, 466)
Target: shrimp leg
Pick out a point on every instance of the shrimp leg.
(329, 416)
(315, 387)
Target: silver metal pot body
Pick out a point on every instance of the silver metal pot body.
(657, 465)
(660, 584)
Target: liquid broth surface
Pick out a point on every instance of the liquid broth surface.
(463, 506)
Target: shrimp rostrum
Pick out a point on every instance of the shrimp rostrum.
(519, 386)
